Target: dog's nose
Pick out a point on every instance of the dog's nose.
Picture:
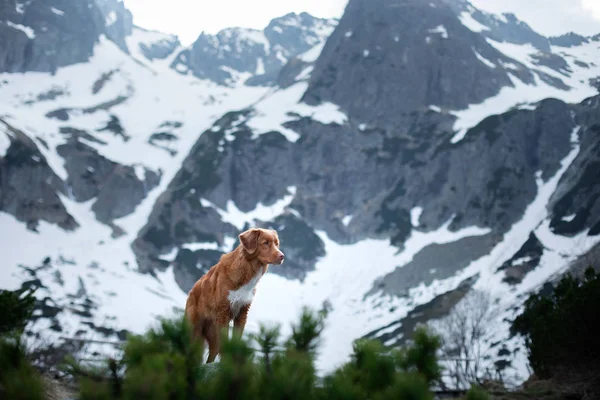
(281, 256)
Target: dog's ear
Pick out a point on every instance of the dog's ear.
(276, 237)
(249, 240)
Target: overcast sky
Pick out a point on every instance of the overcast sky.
(187, 18)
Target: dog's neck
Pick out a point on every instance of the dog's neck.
(255, 263)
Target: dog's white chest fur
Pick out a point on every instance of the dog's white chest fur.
(244, 295)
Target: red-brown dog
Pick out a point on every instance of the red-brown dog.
(226, 291)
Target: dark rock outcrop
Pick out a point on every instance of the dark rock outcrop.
(29, 188)
(46, 35)
(523, 261)
(568, 40)
(117, 188)
(118, 21)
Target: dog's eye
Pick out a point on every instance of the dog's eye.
(266, 243)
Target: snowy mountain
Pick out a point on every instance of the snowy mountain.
(251, 56)
(407, 154)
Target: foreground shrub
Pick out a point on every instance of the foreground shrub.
(560, 329)
(16, 309)
(165, 364)
(477, 393)
(18, 378)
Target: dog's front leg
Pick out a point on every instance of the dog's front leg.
(239, 321)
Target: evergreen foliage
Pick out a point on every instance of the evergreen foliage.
(17, 307)
(165, 364)
(18, 378)
(560, 329)
(477, 393)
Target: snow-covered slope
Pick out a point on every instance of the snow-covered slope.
(153, 98)
(123, 178)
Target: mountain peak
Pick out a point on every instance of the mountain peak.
(254, 56)
(385, 59)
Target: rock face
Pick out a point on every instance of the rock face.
(385, 59)
(29, 189)
(568, 40)
(339, 171)
(252, 55)
(118, 21)
(576, 202)
(159, 48)
(45, 35)
(118, 189)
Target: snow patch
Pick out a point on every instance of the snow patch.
(471, 23)
(26, 29)
(111, 18)
(140, 172)
(523, 53)
(305, 73)
(366, 53)
(348, 34)
(568, 218)
(415, 215)
(441, 29)
(272, 112)
(260, 66)
(200, 246)
(311, 55)
(279, 55)
(57, 11)
(234, 216)
(255, 36)
(346, 220)
(483, 59)
(522, 260)
(170, 256)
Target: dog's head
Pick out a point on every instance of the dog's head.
(262, 244)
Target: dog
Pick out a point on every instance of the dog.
(226, 291)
